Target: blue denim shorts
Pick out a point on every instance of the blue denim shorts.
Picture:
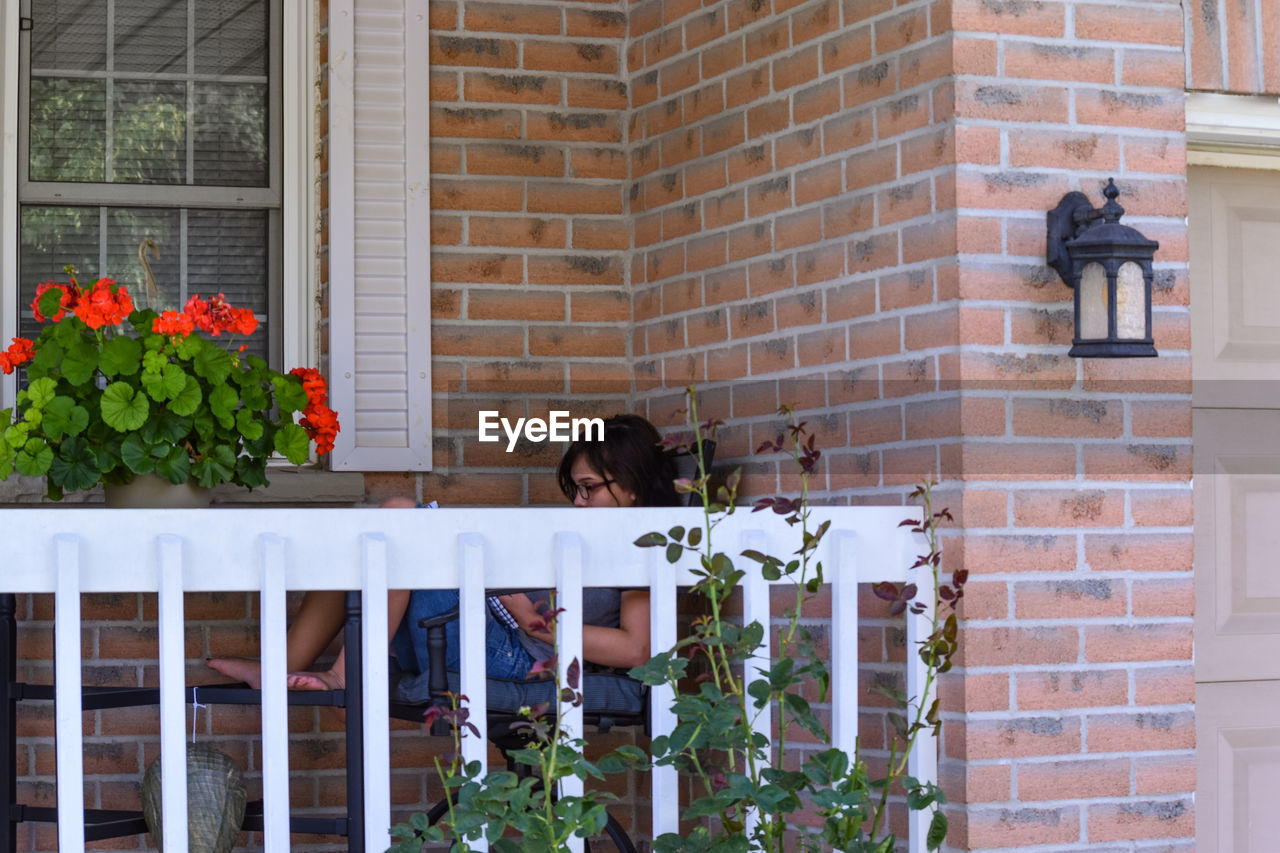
(505, 657)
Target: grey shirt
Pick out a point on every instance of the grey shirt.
(600, 606)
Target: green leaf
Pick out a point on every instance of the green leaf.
(937, 830)
(674, 550)
(292, 443)
(41, 392)
(676, 533)
(80, 363)
(48, 358)
(75, 466)
(167, 425)
(188, 399)
(695, 537)
(122, 409)
(222, 402)
(63, 417)
(248, 426)
(213, 363)
(120, 356)
(253, 396)
(251, 472)
(136, 453)
(154, 361)
(175, 466)
(290, 395)
(51, 301)
(34, 459)
(166, 384)
(651, 540)
(204, 424)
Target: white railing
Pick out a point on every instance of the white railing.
(73, 551)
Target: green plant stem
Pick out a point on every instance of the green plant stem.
(898, 767)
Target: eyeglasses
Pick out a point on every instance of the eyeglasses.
(586, 490)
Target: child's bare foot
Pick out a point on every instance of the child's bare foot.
(330, 679)
(239, 669)
(327, 680)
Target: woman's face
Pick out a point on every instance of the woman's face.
(603, 490)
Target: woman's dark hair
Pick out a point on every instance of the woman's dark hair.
(631, 455)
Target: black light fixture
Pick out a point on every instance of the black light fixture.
(1109, 267)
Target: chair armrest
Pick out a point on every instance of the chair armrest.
(437, 676)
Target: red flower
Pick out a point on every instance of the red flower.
(104, 304)
(19, 353)
(174, 324)
(66, 302)
(216, 316)
(313, 383)
(321, 423)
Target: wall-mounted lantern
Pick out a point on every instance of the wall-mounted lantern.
(1109, 267)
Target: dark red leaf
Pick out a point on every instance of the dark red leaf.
(885, 591)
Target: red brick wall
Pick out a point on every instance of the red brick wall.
(1073, 721)
(792, 190)
(530, 308)
(1233, 46)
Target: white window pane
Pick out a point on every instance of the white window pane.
(226, 252)
(231, 37)
(69, 35)
(151, 35)
(230, 134)
(149, 133)
(53, 237)
(126, 228)
(68, 130)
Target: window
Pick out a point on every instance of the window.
(153, 120)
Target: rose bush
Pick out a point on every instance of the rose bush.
(113, 392)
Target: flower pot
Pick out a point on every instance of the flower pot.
(147, 491)
(215, 800)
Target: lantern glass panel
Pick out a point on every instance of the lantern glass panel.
(1093, 302)
(1131, 302)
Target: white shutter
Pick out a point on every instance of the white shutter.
(379, 234)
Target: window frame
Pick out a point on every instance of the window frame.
(292, 178)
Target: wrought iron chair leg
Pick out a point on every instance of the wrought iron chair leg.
(354, 724)
(9, 722)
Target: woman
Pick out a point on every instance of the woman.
(627, 468)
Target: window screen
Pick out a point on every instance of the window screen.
(153, 120)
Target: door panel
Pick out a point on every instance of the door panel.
(1235, 350)
(1237, 517)
(1238, 745)
(1235, 324)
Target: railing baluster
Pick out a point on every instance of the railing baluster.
(923, 761)
(275, 704)
(173, 721)
(665, 783)
(471, 639)
(755, 608)
(68, 723)
(377, 749)
(568, 559)
(844, 642)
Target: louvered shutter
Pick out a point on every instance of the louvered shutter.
(379, 234)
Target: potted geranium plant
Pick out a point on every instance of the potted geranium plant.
(115, 393)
